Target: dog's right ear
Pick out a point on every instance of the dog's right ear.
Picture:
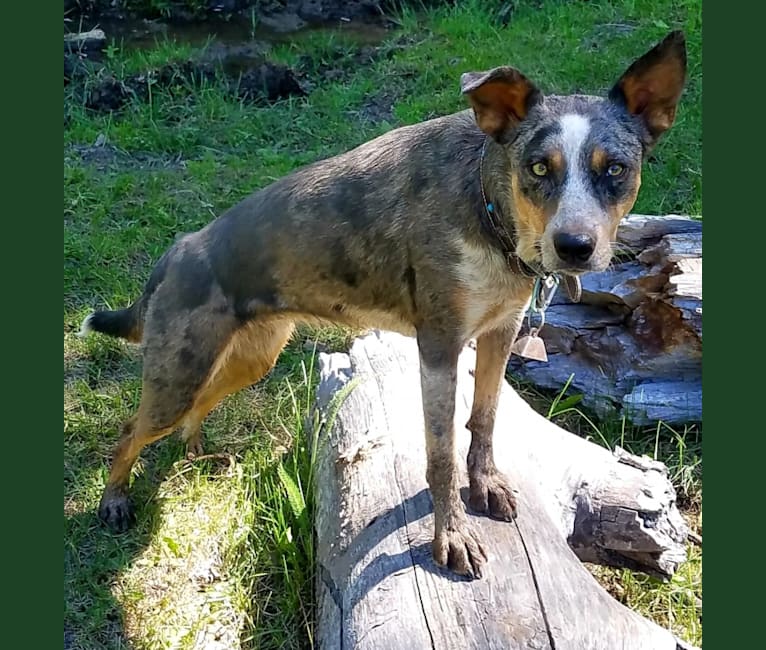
(501, 99)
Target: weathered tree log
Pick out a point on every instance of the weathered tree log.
(633, 345)
(378, 586)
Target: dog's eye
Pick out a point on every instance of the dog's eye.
(539, 169)
(615, 169)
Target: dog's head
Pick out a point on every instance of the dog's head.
(575, 161)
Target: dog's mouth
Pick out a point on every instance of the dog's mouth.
(572, 270)
(550, 261)
(556, 265)
(538, 263)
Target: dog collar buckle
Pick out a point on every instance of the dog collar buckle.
(543, 292)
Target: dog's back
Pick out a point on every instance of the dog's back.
(361, 225)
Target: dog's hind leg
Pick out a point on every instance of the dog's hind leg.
(489, 490)
(182, 383)
(115, 508)
(250, 355)
(181, 347)
(455, 543)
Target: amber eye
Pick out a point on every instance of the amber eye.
(539, 169)
(615, 169)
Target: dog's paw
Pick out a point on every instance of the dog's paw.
(491, 494)
(194, 449)
(460, 550)
(116, 511)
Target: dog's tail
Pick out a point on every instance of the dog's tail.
(127, 323)
(123, 323)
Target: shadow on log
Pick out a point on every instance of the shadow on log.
(633, 345)
(378, 587)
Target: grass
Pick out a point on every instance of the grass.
(223, 547)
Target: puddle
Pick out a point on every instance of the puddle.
(137, 33)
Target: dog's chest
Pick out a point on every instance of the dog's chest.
(491, 296)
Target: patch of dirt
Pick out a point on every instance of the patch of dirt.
(242, 69)
(103, 156)
(379, 108)
(234, 58)
(296, 14)
(102, 92)
(270, 81)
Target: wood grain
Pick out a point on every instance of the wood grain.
(378, 587)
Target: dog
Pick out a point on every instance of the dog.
(436, 230)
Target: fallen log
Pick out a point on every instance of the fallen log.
(633, 345)
(377, 584)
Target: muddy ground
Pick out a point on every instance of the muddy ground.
(282, 15)
(238, 58)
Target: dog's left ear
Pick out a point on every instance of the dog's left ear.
(652, 85)
(501, 99)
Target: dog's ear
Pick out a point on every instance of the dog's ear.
(652, 85)
(501, 98)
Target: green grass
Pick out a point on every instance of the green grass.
(223, 545)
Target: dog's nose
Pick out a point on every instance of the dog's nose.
(574, 249)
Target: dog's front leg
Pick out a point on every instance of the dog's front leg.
(455, 544)
(489, 490)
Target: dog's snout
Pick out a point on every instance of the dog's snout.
(574, 248)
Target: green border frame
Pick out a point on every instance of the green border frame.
(31, 245)
(732, 119)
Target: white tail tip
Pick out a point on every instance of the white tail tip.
(85, 328)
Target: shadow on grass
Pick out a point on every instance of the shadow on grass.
(95, 558)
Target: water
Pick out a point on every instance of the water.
(137, 33)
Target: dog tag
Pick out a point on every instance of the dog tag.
(530, 346)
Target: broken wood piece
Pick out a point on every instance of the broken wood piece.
(91, 41)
